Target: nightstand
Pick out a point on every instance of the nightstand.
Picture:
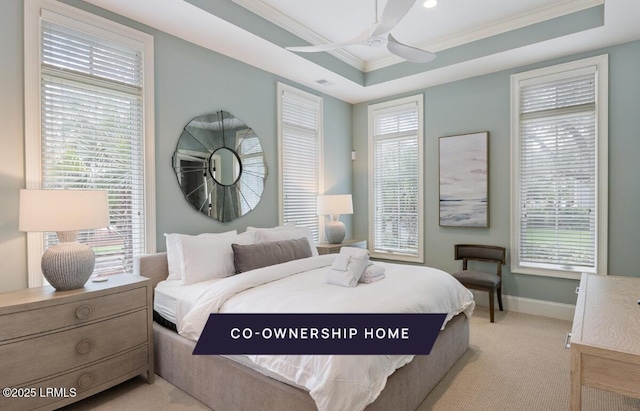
(63, 346)
(327, 248)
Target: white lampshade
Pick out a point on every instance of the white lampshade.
(68, 264)
(335, 204)
(63, 210)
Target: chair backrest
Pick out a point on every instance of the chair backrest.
(479, 252)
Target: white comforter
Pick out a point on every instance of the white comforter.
(335, 382)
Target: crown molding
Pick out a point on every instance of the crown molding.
(280, 19)
(502, 26)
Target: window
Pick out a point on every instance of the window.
(300, 150)
(395, 182)
(89, 125)
(559, 169)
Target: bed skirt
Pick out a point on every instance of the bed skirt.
(226, 385)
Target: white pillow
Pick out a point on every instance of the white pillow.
(205, 257)
(174, 250)
(269, 235)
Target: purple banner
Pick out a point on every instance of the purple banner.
(319, 334)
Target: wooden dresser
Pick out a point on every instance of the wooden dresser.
(605, 338)
(57, 347)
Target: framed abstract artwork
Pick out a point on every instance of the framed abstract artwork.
(464, 180)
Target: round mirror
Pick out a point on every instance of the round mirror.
(220, 166)
(225, 166)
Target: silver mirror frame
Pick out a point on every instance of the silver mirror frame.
(220, 166)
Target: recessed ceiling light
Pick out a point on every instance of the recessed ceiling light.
(430, 4)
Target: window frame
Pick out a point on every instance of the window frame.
(284, 88)
(417, 99)
(567, 70)
(98, 26)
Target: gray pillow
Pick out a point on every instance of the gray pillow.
(252, 256)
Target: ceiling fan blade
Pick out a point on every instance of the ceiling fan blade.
(361, 38)
(412, 54)
(394, 11)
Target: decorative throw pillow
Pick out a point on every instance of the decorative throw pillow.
(206, 258)
(252, 256)
(174, 249)
(268, 236)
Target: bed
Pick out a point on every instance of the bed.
(231, 384)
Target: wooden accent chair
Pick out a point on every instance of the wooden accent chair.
(479, 280)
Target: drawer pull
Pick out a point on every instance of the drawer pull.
(567, 342)
(85, 381)
(84, 346)
(83, 312)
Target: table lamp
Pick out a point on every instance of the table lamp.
(334, 205)
(69, 264)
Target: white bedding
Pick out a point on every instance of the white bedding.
(172, 300)
(335, 382)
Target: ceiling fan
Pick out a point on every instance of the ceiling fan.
(374, 36)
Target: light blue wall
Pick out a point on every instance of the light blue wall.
(482, 104)
(13, 243)
(189, 81)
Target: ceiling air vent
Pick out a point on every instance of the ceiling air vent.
(324, 82)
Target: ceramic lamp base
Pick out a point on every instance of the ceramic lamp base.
(334, 231)
(68, 266)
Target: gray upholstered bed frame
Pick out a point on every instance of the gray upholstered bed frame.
(226, 385)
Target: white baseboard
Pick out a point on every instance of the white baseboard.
(528, 306)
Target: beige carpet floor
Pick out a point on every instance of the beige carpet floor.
(517, 363)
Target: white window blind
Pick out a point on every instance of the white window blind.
(558, 197)
(301, 157)
(396, 198)
(92, 135)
